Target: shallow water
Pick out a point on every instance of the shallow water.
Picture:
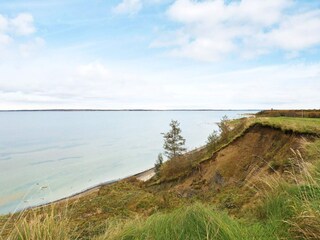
(45, 156)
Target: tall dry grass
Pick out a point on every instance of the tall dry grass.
(40, 224)
(292, 207)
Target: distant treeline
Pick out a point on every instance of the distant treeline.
(310, 113)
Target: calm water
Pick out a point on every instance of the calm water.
(45, 156)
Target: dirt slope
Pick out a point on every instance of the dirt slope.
(259, 152)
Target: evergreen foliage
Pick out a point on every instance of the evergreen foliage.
(173, 141)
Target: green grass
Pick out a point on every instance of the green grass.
(293, 208)
(311, 113)
(313, 150)
(193, 222)
(297, 125)
(124, 200)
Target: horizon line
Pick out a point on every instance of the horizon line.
(125, 109)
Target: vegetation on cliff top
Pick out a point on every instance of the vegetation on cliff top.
(310, 113)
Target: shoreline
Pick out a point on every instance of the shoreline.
(130, 110)
(141, 176)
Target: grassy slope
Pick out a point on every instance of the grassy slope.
(298, 125)
(290, 113)
(131, 210)
(287, 209)
(181, 167)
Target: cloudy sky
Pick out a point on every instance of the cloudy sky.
(111, 54)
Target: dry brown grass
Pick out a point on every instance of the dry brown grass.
(51, 225)
(306, 225)
(290, 113)
(176, 167)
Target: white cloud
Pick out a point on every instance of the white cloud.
(128, 7)
(296, 32)
(208, 30)
(4, 37)
(22, 24)
(94, 70)
(215, 29)
(60, 82)
(17, 36)
(28, 48)
(3, 23)
(132, 7)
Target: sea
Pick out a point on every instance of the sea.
(49, 155)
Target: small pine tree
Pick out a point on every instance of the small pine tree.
(173, 141)
(213, 139)
(158, 164)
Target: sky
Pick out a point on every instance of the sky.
(159, 54)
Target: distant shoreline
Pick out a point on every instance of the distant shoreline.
(128, 110)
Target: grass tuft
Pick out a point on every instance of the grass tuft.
(193, 222)
(45, 226)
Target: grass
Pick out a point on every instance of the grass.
(290, 113)
(122, 200)
(287, 124)
(181, 166)
(49, 225)
(294, 208)
(193, 222)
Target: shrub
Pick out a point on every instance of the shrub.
(176, 167)
(158, 164)
(212, 141)
(224, 128)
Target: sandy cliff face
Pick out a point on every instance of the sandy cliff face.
(261, 152)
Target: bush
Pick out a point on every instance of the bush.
(212, 141)
(224, 128)
(176, 167)
(158, 164)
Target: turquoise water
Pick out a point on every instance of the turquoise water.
(45, 156)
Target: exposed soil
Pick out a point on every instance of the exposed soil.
(259, 152)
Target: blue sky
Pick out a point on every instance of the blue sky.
(111, 54)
